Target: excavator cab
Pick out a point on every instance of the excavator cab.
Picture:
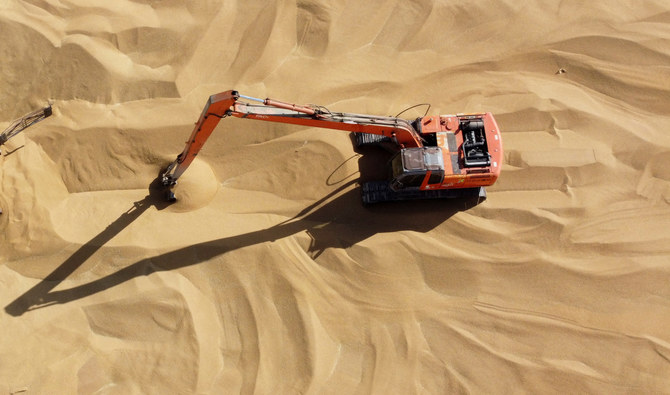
(414, 168)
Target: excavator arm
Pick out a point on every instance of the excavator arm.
(230, 103)
(216, 108)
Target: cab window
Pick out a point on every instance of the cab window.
(396, 164)
(413, 180)
(435, 177)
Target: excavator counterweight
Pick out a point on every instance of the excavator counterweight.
(442, 156)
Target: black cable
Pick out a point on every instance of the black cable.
(414, 106)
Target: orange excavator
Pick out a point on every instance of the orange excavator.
(441, 156)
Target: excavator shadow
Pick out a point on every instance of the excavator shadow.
(7, 153)
(373, 162)
(336, 221)
(40, 294)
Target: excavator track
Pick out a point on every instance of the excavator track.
(374, 192)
